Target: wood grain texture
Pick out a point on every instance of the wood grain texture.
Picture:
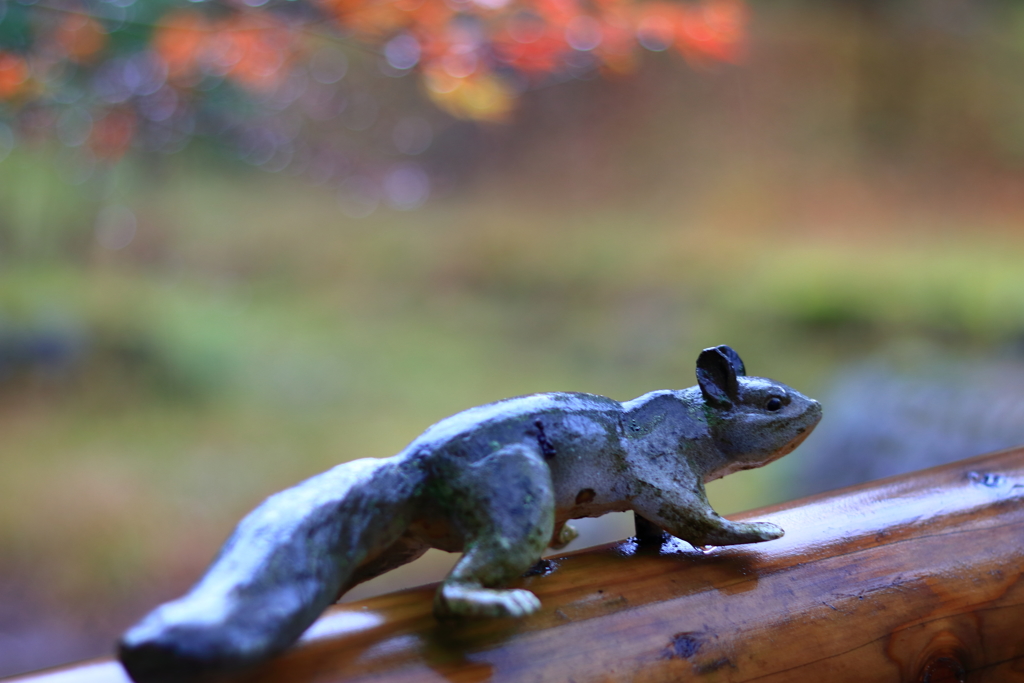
(914, 578)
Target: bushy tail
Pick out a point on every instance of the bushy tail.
(283, 565)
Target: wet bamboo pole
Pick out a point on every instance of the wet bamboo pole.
(913, 578)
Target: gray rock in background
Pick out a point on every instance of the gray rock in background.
(880, 421)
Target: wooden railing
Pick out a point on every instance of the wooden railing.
(913, 578)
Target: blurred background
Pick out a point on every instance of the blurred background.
(208, 293)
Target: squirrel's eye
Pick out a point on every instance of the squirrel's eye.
(774, 403)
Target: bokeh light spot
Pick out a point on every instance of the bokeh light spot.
(109, 85)
(407, 186)
(491, 4)
(402, 51)
(480, 97)
(80, 36)
(13, 74)
(144, 73)
(412, 135)
(115, 227)
(439, 82)
(159, 106)
(583, 33)
(280, 160)
(459, 65)
(112, 133)
(655, 33)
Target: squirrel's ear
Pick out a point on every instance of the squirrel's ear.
(734, 360)
(716, 375)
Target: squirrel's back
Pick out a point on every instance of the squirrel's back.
(520, 412)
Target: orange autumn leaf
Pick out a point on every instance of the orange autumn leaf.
(557, 12)
(463, 49)
(251, 48)
(179, 40)
(541, 55)
(369, 19)
(13, 75)
(258, 51)
(715, 31)
(80, 37)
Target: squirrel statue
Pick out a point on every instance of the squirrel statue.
(497, 482)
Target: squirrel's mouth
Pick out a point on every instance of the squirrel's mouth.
(796, 441)
(802, 434)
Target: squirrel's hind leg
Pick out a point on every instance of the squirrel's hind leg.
(563, 535)
(506, 509)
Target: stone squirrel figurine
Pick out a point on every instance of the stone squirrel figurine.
(497, 482)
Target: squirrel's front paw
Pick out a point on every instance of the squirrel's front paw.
(765, 531)
(735, 533)
(470, 601)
